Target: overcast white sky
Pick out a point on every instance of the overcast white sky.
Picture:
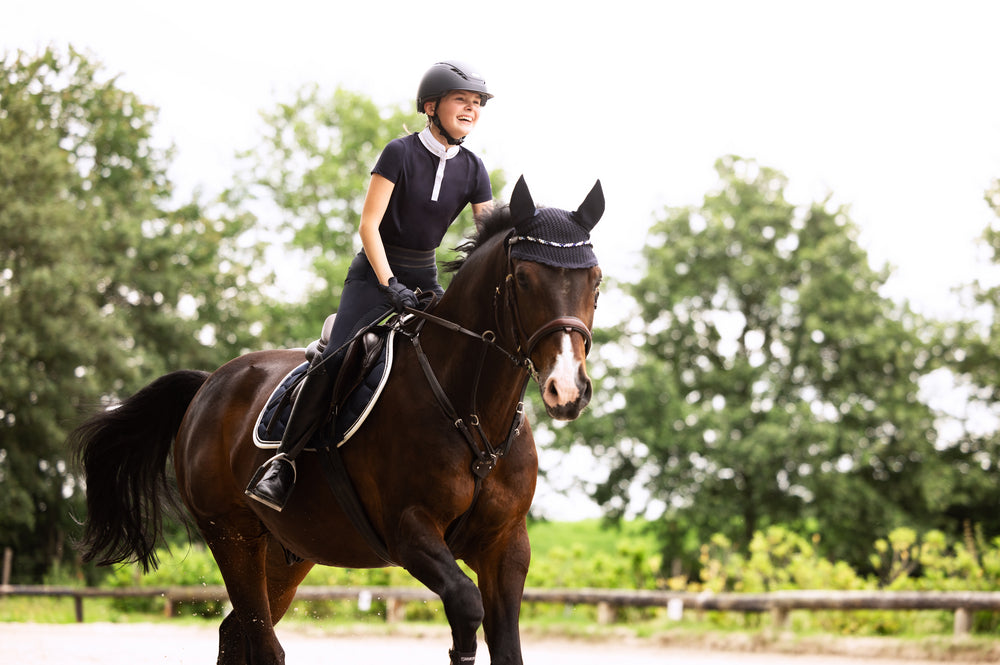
(892, 107)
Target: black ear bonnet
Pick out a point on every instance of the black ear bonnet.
(552, 236)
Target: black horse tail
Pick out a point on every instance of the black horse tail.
(123, 453)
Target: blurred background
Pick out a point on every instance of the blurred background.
(800, 243)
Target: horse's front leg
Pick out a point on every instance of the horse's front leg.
(502, 569)
(424, 554)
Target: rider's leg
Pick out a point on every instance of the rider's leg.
(361, 303)
(273, 483)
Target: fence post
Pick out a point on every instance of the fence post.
(78, 608)
(8, 557)
(605, 613)
(395, 610)
(963, 621)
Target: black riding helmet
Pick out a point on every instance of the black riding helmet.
(442, 78)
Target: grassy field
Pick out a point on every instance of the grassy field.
(592, 536)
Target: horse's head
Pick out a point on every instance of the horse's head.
(553, 285)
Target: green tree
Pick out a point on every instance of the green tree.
(104, 285)
(975, 359)
(772, 383)
(310, 172)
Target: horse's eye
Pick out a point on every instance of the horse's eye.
(597, 294)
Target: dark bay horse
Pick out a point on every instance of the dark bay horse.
(521, 289)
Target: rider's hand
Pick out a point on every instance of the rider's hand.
(398, 295)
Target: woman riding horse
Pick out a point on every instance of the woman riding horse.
(444, 467)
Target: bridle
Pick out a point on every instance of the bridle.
(485, 453)
(525, 344)
(568, 324)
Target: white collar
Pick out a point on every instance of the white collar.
(442, 153)
(435, 146)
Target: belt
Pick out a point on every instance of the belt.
(402, 257)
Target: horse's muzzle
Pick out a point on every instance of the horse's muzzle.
(566, 388)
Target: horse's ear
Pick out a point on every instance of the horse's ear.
(522, 207)
(592, 208)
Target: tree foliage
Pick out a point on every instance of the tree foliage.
(979, 342)
(104, 284)
(974, 356)
(772, 383)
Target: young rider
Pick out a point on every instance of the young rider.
(418, 186)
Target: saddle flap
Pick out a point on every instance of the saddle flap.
(359, 384)
(361, 356)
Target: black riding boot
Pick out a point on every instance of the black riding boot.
(275, 479)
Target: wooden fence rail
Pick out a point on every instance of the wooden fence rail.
(778, 603)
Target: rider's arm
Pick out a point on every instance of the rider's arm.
(376, 203)
(481, 209)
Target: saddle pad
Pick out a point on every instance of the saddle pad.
(353, 412)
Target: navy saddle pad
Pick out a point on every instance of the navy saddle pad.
(272, 420)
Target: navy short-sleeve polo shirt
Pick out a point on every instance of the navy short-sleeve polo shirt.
(412, 220)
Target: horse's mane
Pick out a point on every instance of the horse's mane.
(490, 225)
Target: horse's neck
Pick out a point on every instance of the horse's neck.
(470, 299)
(459, 360)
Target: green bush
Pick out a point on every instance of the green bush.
(781, 559)
(194, 566)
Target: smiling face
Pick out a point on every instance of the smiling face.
(458, 112)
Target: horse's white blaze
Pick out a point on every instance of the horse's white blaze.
(562, 380)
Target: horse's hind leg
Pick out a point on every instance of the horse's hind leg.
(425, 556)
(233, 645)
(282, 582)
(246, 636)
(283, 579)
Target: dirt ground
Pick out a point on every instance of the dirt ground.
(121, 644)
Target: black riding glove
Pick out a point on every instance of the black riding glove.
(398, 295)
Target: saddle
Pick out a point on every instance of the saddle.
(363, 373)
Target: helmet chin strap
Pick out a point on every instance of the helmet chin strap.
(444, 132)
